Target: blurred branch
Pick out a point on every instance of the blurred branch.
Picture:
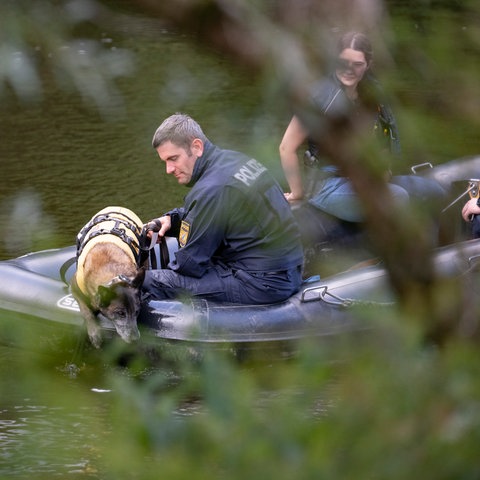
(292, 36)
(36, 49)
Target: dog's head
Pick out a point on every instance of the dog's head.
(119, 302)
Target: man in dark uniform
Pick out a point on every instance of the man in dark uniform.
(471, 213)
(238, 240)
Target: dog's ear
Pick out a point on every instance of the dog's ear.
(119, 280)
(137, 281)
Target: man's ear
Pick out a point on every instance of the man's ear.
(197, 147)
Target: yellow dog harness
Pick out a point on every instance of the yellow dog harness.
(117, 225)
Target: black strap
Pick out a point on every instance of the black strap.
(64, 268)
(148, 244)
(164, 253)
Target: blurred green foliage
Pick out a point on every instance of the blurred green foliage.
(383, 405)
(434, 44)
(374, 406)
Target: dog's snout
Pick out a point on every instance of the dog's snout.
(128, 332)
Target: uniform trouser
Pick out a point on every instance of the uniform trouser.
(224, 285)
(476, 226)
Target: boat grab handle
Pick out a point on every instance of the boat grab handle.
(322, 295)
(332, 299)
(473, 261)
(415, 168)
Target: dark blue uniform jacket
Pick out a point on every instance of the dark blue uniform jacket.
(236, 215)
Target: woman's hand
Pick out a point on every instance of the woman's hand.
(294, 136)
(293, 198)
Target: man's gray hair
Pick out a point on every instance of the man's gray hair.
(180, 129)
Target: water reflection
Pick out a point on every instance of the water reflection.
(58, 419)
(49, 424)
(25, 223)
(40, 439)
(77, 160)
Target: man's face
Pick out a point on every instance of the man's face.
(178, 161)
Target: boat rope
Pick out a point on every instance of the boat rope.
(323, 294)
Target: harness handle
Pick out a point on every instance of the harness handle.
(154, 227)
(64, 269)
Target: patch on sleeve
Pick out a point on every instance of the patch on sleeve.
(184, 231)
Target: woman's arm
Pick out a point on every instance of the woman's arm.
(295, 135)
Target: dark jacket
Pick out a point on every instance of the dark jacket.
(330, 100)
(236, 215)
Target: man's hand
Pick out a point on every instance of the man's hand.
(160, 225)
(470, 208)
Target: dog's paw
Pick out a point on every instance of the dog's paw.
(95, 336)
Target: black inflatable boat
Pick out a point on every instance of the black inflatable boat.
(32, 286)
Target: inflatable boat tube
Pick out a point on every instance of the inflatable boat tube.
(458, 170)
(32, 285)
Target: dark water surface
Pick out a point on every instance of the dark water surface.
(61, 161)
(56, 412)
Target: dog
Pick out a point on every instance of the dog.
(110, 273)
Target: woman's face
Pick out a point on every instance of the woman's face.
(351, 67)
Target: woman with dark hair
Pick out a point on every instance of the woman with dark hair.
(352, 92)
